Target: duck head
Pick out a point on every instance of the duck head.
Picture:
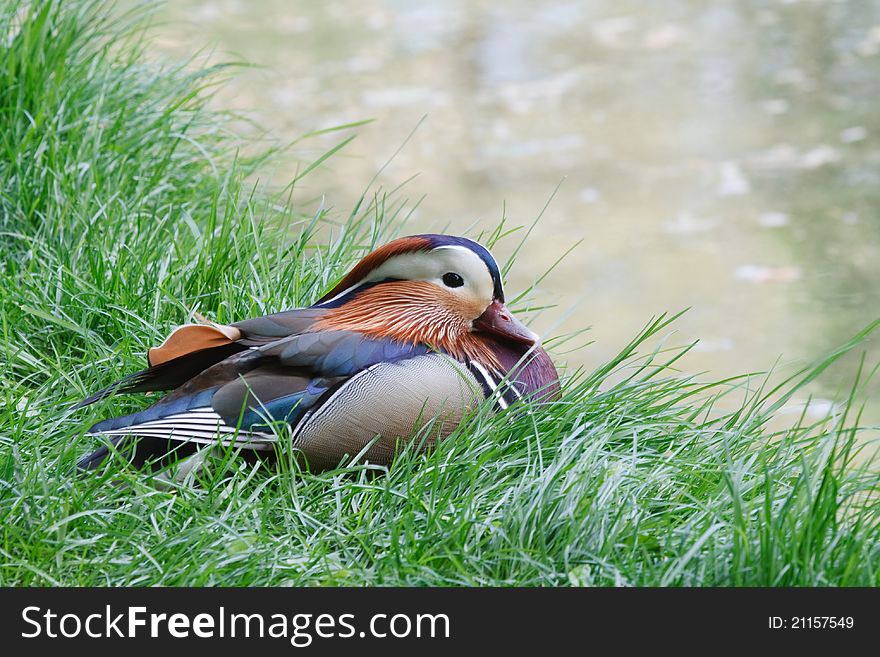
(439, 290)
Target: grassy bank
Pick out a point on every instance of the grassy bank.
(124, 208)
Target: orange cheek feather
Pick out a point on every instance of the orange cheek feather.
(414, 312)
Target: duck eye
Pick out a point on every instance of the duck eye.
(451, 279)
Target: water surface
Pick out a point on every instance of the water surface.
(722, 156)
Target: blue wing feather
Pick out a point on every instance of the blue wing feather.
(157, 411)
(279, 381)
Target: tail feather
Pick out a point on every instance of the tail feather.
(167, 376)
(94, 460)
(168, 431)
(140, 451)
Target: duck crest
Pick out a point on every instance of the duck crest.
(372, 260)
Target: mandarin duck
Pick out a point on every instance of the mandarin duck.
(413, 338)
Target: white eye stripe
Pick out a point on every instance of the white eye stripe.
(431, 266)
(464, 249)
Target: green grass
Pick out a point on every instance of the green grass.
(124, 208)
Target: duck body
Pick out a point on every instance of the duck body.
(413, 339)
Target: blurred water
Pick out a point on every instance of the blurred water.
(723, 156)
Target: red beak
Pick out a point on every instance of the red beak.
(498, 320)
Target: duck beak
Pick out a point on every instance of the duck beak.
(498, 320)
